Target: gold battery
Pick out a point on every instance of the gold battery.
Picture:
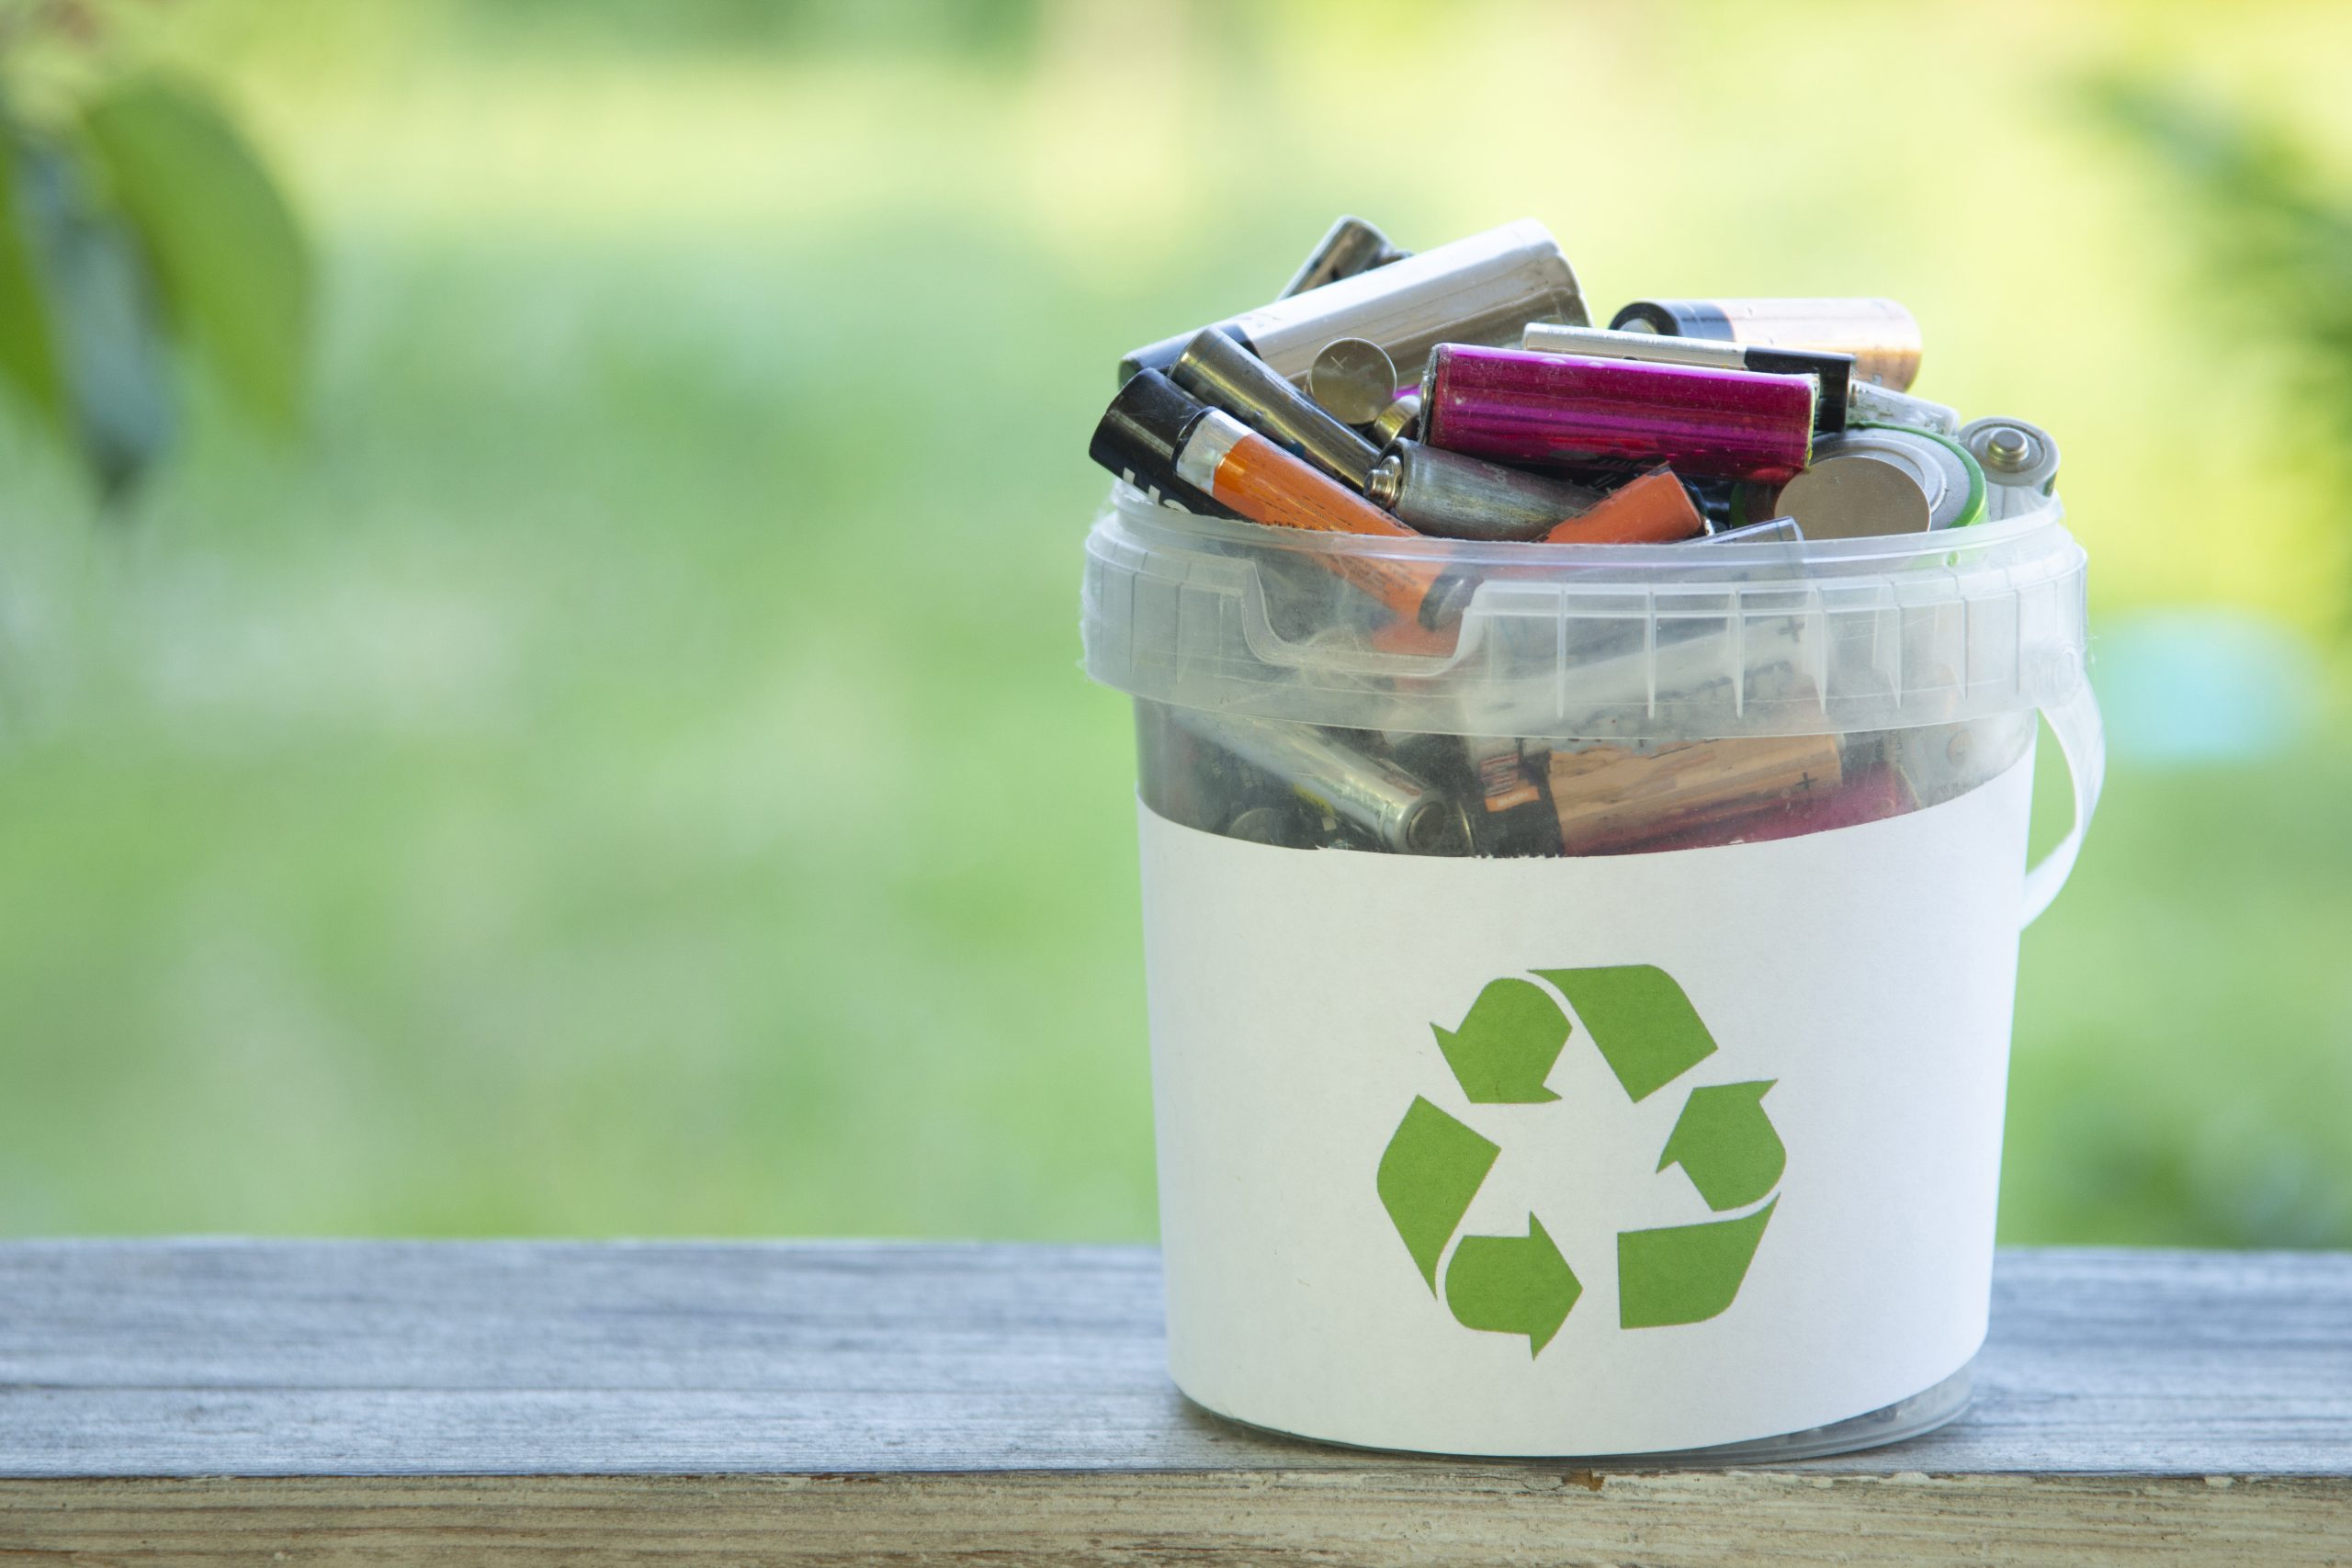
(1611, 800)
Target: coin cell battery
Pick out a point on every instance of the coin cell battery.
(1872, 479)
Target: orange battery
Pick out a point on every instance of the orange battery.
(1266, 484)
(1652, 510)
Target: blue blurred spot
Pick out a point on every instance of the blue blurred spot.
(2182, 687)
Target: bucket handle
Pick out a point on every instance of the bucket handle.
(2083, 741)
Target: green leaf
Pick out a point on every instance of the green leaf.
(235, 270)
(103, 322)
(27, 357)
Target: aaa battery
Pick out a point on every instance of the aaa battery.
(1881, 335)
(1266, 484)
(1572, 411)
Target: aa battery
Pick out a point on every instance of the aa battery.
(2019, 460)
(1875, 480)
(1881, 334)
(1455, 497)
(1400, 809)
(1611, 800)
(1569, 410)
(1266, 484)
(1222, 373)
(1351, 246)
(1138, 437)
(1481, 290)
(1833, 372)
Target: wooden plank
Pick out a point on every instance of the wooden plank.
(1376, 1514)
(348, 1401)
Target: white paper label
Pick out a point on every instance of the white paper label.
(1479, 1156)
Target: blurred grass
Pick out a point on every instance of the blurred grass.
(628, 773)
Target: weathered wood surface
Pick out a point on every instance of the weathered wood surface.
(381, 1402)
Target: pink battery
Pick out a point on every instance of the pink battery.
(1566, 410)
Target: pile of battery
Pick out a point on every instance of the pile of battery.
(1462, 393)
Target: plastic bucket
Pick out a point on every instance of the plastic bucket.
(1584, 1030)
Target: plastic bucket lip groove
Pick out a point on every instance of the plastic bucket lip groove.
(1621, 641)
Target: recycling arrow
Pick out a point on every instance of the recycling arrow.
(1726, 1144)
(1685, 1273)
(1428, 1175)
(1645, 1028)
(1506, 1045)
(1508, 1284)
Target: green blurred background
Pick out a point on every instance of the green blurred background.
(626, 770)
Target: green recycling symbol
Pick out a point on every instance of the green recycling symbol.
(1649, 1034)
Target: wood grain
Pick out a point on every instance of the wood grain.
(213, 1400)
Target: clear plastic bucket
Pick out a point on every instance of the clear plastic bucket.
(1582, 1029)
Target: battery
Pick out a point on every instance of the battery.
(1266, 484)
(1611, 800)
(1400, 809)
(1652, 510)
(1833, 372)
(1570, 410)
(1457, 497)
(1880, 333)
(1484, 289)
(1137, 440)
(1869, 404)
(1350, 246)
(1352, 380)
(1220, 372)
(2019, 460)
(1400, 421)
(1875, 480)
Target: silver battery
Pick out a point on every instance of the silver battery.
(2019, 460)
(1876, 480)
(1398, 809)
(1351, 246)
(1481, 290)
(1456, 497)
(1548, 337)
(1352, 380)
(1867, 402)
(1223, 374)
(1399, 421)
